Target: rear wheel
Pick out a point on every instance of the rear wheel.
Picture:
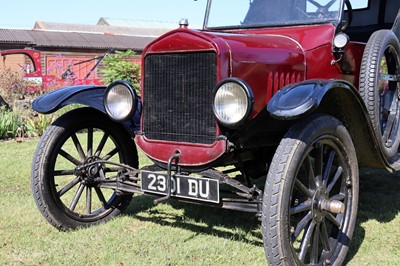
(396, 25)
(380, 88)
(66, 177)
(311, 195)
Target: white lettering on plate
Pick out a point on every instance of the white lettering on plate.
(193, 189)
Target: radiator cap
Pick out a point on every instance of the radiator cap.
(184, 23)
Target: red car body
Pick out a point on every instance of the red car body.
(266, 59)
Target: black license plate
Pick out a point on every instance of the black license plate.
(188, 187)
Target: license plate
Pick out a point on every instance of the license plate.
(188, 187)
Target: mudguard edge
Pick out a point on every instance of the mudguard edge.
(299, 99)
(340, 99)
(88, 95)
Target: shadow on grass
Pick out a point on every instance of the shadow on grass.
(379, 200)
(232, 225)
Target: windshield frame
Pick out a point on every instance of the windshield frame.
(335, 21)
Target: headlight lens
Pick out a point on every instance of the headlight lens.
(233, 102)
(120, 100)
(341, 40)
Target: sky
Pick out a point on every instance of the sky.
(22, 14)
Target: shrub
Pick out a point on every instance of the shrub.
(12, 85)
(118, 67)
(12, 125)
(17, 119)
(38, 124)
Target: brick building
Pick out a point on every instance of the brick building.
(63, 44)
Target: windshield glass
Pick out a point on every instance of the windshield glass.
(249, 13)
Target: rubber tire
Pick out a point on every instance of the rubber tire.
(279, 185)
(369, 79)
(51, 141)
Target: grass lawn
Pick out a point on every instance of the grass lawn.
(173, 233)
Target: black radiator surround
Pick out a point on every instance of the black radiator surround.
(178, 97)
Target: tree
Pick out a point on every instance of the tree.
(118, 67)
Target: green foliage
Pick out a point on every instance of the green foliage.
(12, 125)
(21, 123)
(118, 67)
(18, 120)
(9, 123)
(39, 124)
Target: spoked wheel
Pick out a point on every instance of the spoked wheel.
(311, 195)
(396, 25)
(380, 88)
(65, 176)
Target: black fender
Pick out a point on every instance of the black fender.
(340, 99)
(88, 95)
(300, 99)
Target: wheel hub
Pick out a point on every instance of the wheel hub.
(319, 196)
(89, 170)
(322, 204)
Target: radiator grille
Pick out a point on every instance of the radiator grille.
(178, 97)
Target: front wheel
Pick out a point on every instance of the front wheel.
(311, 195)
(65, 176)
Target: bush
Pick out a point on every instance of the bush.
(13, 125)
(17, 119)
(118, 67)
(26, 122)
(12, 85)
(37, 125)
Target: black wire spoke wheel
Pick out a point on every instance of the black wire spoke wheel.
(380, 88)
(70, 164)
(77, 175)
(388, 86)
(396, 25)
(311, 195)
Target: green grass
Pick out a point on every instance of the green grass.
(173, 233)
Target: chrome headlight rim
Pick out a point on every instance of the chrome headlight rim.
(249, 102)
(132, 93)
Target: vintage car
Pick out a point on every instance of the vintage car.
(270, 109)
(28, 62)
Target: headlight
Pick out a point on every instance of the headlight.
(233, 102)
(120, 100)
(341, 40)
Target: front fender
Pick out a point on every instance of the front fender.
(297, 100)
(88, 95)
(341, 100)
